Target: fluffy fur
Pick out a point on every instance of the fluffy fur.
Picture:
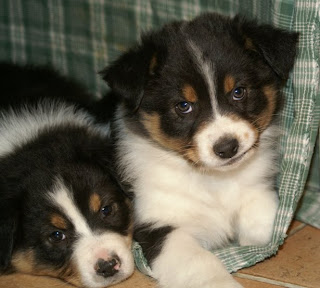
(195, 134)
(62, 213)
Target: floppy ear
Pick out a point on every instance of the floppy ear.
(103, 156)
(8, 226)
(278, 47)
(128, 75)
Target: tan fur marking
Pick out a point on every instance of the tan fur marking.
(229, 83)
(189, 93)
(248, 44)
(58, 221)
(16, 280)
(153, 64)
(152, 124)
(70, 274)
(129, 237)
(192, 154)
(237, 118)
(95, 202)
(266, 116)
(24, 262)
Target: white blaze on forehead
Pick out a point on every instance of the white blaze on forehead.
(64, 200)
(206, 68)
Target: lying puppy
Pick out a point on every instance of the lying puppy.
(62, 213)
(195, 132)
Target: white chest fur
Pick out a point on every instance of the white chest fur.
(169, 191)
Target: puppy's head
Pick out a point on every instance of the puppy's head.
(65, 215)
(205, 89)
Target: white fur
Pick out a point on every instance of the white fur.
(207, 70)
(206, 208)
(19, 127)
(91, 246)
(188, 265)
(89, 249)
(64, 200)
(221, 126)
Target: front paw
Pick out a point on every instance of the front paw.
(256, 222)
(259, 233)
(256, 237)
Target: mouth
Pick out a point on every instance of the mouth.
(236, 159)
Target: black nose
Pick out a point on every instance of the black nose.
(107, 268)
(226, 147)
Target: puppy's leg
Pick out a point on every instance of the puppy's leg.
(183, 263)
(256, 217)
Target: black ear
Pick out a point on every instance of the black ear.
(102, 154)
(8, 226)
(128, 75)
(278, 47)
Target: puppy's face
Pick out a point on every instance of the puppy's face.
(62, 212)
(205, 89)
(79, 230)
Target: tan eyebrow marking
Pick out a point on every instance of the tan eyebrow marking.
(189, 93)
(153, 64)
(271, 93)
(95, 202)
(229, 83)
(58, 221)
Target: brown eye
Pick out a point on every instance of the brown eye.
(184, 107)
(57, 237)
(106, 210)
(239, 93)
(109, 210)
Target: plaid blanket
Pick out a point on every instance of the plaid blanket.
(80, 37)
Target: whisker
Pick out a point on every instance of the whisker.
(258, 119)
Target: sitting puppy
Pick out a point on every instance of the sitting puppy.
(62, 213)
(195, 132)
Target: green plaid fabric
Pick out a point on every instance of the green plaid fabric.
(309, 207)
(79, 37)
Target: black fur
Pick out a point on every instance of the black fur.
(78, 156)
(149, 79)
(38, 82)
(151, 239)
(266, 60)
(129, 75)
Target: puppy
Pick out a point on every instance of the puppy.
(195, 130)
(62, 213)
